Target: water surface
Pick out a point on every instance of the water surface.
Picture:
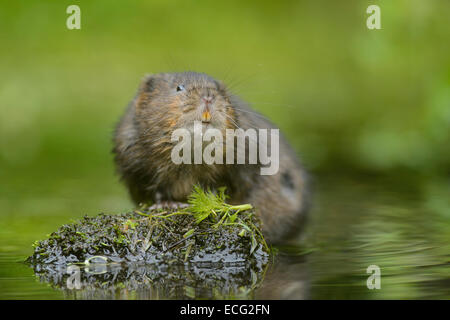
(401, 224)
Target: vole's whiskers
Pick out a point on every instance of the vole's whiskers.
(275, 104)
(251, 112)
(237, 127)
(235, 85)
(233, 122)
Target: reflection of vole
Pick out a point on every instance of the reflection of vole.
(143, 145)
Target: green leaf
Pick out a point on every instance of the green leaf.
(204, 203)
(254, 244)
(188, 233)
(233, 217)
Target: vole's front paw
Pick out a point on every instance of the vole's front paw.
(174, 205)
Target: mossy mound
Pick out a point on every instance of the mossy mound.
(132, 237)
(209, 232)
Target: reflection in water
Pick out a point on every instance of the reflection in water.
(401, 224)
(288, 278)
(151, 281)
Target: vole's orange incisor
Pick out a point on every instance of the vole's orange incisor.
(143, 146)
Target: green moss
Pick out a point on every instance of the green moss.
(213, 246)
(208, 231)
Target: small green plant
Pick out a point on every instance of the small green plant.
(205, 204)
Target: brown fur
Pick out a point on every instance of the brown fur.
(143, 149)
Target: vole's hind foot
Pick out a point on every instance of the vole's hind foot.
(174, 205)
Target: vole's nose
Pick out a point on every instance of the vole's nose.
(206, 114)
(207, 99)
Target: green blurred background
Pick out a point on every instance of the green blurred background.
(351, 100)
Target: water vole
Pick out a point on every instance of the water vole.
(143, 145)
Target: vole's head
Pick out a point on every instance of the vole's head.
(176, 100)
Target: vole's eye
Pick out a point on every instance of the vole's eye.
(180, 87)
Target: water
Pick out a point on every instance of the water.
(400, 224)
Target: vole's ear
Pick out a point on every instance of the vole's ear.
(148, 83)
(145, 92)
(221, 86)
